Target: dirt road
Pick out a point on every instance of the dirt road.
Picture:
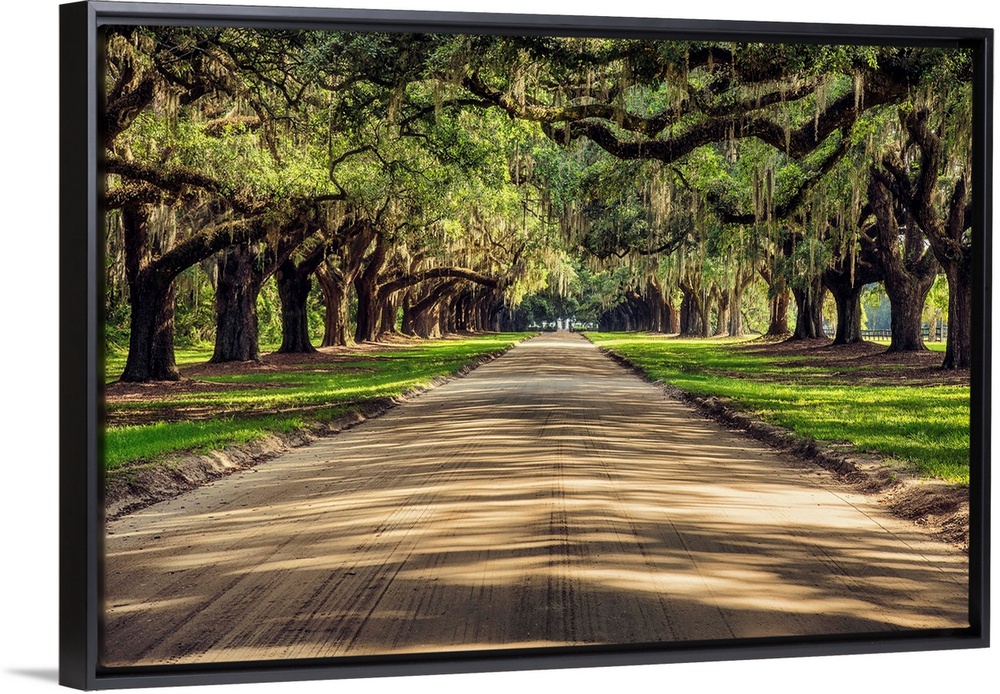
(548, 497)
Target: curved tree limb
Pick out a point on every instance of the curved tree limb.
(789, 206)
(435, 273)
(797, 143)
(177, 178)
(132, 193)
(208, 242)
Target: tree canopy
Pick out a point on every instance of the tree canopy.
(377, 182)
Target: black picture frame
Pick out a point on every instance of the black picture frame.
(80, 213)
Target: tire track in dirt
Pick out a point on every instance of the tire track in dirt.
(550, 497)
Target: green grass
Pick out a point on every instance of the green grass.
(114, 361)
(283, 401)
(131, 444)
(926, 426)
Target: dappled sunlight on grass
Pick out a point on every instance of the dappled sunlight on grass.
(114, 362)
(148, 441)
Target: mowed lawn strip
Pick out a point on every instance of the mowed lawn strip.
(926, 427)
(252, 406)
(148, 442)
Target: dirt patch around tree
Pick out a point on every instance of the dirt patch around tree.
(121, 398)
(861, 363)
(940, 507)
(118, 392)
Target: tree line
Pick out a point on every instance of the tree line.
(431, 184)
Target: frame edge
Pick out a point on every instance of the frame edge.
(77, 353)
(79, 378)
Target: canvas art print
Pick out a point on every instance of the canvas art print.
(475, 342)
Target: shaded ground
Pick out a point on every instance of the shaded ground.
(549, 497)
(192, 376)
(863, 363)
(122, 400)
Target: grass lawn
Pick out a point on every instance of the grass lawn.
(238, 408)
(925, 426)
(114, 362)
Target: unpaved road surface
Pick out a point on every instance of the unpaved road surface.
(549, 497)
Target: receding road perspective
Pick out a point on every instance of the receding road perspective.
(549, 497)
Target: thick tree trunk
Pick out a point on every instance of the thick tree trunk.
(907, 293)
(675, 319)
(336, 297)
(151, 333)
(778, 323)
(778, 295)
(369, 313)
(908, 266)
(406, 313)
(637, 312)
(336, 277)
(488, 310)
(705, 309)
(474, 324)
(446, 321)
(849, 312)
(483, 312)
(236, 293)
(426, 323)
(451, 317)
(746, 271)
(736, 312)
(443, 310)
(164, 366)
(422, 317)
(462, 313)
(958, 349)
(151, 294)
(691, 318)
(493, 319)
(846, 285)
(722, 302)
(469, 314)
(366, 288)
(946, 233)
(293, 292)
(294, 279)
(809, 319)
(659, 312)
(906, 300)
(389, 314)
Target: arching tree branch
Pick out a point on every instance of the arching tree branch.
(435, 273)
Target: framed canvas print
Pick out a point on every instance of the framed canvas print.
(401, 342)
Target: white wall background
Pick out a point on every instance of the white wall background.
(28, 380)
